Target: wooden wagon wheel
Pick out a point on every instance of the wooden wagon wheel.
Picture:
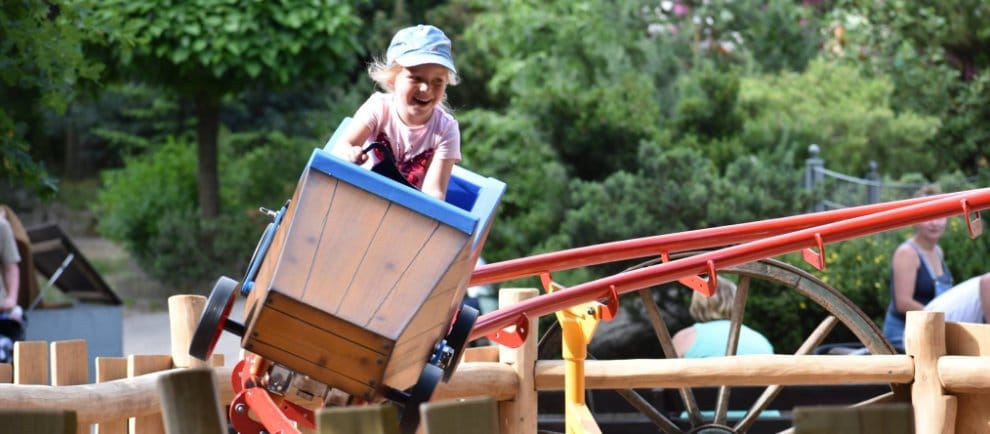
(839, 308)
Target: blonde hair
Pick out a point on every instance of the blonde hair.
(384, 75)
(927, 190)
(716, 307)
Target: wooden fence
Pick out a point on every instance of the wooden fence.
(946, 366)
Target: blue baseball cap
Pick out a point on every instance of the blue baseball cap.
(419, 45)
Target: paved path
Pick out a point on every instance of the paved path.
(148, 333)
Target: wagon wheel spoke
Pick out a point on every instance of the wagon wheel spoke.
(814, 339)
(839, 309)
(667, 345)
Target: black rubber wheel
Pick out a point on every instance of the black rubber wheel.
(419, 394)
(458, 336)
(214, 318)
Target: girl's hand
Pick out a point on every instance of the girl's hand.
(355, 155)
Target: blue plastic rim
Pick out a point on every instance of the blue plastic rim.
(266, 242)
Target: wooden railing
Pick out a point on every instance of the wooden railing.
(945, 366)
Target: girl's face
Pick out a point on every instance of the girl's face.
(932, 229)
(418, 90)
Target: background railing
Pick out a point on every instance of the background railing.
(839, 190)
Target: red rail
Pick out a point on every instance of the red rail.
(759, 240)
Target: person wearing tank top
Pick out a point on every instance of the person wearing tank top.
(918, 274)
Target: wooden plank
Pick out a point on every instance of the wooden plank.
(887, 418)
(518, 415)
(69, 362)
(924, 340)
(303, 233)
(425, 275)
(322, 348)
(353, 218)
(38, 421)
(6, 373)
(432, 323)
(31, 362)
(369, 419)
(410, 295)
(488, 353)
(190, 403)
(70, 366)
(966, 339)
(357, 387)
(283, 305)
(454, 416)
(402, 236)
(825, 420)
(184, 311)
(139, 365)
(109, 369)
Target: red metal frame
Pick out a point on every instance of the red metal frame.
(759, 240)
(275, 413)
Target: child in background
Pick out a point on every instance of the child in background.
(709, 335)
(410, 118)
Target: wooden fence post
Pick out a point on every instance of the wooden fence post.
(109, 369)
(924, 339)
(31, 362)
(183, 317)
(38, 421)
(70, 366)
(479, 415)
(370, 419)
(6, 373)
(518, 416)
(190, 403)
(139, 365)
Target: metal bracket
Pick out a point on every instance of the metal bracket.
(816, 259)
(512, 336)
(974, 226)
(705, 286)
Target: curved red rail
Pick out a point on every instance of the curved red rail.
(759, 240)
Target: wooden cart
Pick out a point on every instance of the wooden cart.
(358, 281)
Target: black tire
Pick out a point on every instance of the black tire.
(212, 322)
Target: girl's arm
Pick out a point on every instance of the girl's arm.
(437, 177)
(350, 145)
(905, 273)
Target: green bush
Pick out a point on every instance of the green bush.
(149, 206)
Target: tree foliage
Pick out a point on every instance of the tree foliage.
(42, 68)
(206, 49)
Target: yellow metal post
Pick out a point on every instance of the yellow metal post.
(578, 324)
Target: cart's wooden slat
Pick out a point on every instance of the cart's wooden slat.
(396, 245)
(324, 348)
(424, 277)
(352, 222)
(292, 361)
(304, 231)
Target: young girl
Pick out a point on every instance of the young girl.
(410, 117)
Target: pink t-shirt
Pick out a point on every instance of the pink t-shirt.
(414, 147)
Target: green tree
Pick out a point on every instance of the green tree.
(208, 49)
(43, 61)
(935, 54)
(845, 112)
(574, 68)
